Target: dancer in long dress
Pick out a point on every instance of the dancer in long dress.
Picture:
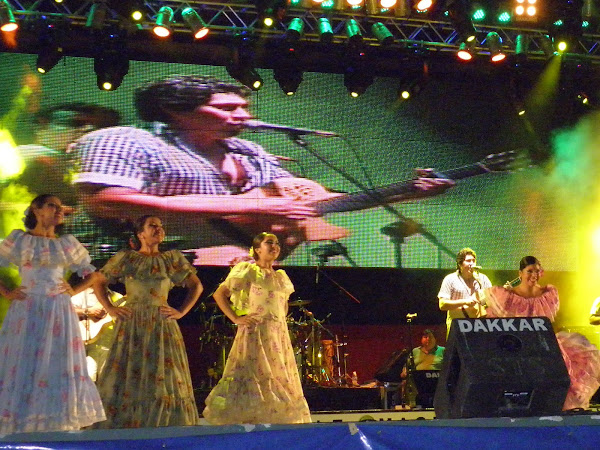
(145, 380)
(44, 383)
(529, 299)
(260, 383)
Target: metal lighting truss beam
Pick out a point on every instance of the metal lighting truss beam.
(412, 36)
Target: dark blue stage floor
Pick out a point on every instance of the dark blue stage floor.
(568, 432)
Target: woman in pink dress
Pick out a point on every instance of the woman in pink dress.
(260, 383)
(44, 383)
(529, 299)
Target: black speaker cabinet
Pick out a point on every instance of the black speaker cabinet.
(507, 367)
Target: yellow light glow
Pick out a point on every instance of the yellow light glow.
(387, 3)
(12, 164)
(531, 11)
(520, 10)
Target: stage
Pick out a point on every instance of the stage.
(387, 430)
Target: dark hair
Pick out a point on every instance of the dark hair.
(182, 93)
(528, 261)
(462, 255)
(138, 227)
(77, 115)
(257, 240)
(38, 202)
(428, 331)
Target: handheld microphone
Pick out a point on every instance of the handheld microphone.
(294, 131)
(476, 268)
(411, 316)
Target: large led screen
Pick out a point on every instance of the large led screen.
(359, 185)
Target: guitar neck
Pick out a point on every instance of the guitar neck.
(375, 197)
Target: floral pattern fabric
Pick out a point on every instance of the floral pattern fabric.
(581, 357)
(260, 383)
(44, 383)
(145, 381)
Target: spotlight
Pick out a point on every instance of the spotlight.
(358, 75)
(288, 74)
(353, 31)
(270, 11)
(195, 23)
(465, 51)
(423, 6)
(521, 48)
(458, 11)
(295, 29)
(48, 57)
(7, 17)
(494, 43)
(97, 15)
(241, 66)
(164, 18)
(325, 30)
(50, 46)
(111, 64)
(565, 20)
(383, 35)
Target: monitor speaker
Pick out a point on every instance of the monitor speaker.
(508, 367)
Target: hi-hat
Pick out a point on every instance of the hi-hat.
(300, 303)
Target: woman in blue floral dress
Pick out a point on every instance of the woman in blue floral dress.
(145, 381)
(44, 383)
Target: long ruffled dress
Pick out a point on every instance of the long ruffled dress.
(146, 381)
(260, 382)
(581, 357)
(44, 383)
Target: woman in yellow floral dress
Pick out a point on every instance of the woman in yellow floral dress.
(146, 380)
(260, 383)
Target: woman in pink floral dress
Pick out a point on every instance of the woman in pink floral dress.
(146, 381)
(44, 383)
(529, 299)
(260, 383)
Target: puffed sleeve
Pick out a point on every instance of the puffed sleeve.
(78, 256)
(239, 282)
(288, 287)
(9, 254)
(178, 267)
(116, 268)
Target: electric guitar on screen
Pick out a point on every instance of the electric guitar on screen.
(293, 232)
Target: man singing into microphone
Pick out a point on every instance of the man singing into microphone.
(191, 169)
(457, 289)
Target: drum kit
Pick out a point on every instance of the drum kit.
(320, 355)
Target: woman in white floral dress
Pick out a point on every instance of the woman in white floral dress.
(44, 384)
(260, 383)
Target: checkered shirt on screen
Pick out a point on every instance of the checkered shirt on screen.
(164, 165)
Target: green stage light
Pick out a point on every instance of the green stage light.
(478, 15)
(164, 18)
(195, 23)
(295, 29)
(504, 17)
(383, 35)
(353, 31)
(325, 30)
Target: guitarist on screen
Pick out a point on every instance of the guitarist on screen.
(206, 183)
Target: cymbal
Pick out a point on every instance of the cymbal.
(300, 303)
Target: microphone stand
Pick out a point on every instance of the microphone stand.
(410, 363)
(297, 138)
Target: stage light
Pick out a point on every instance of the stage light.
(465, 51)
(494, 43)
(478, 15)
(354, 3)
(7, 17)
(195, 23)
(97, 15)
(164, 18)
(295, 29)
(388, 4)
(383, 35)
(357, 81)
(241, 65)
(325, 30)
(521, 48)
(547, 46)
(564, 22)
(48, 57)
(423, 5)
(288, 76)
(111, 65)
(458, 11)
(353, 31)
